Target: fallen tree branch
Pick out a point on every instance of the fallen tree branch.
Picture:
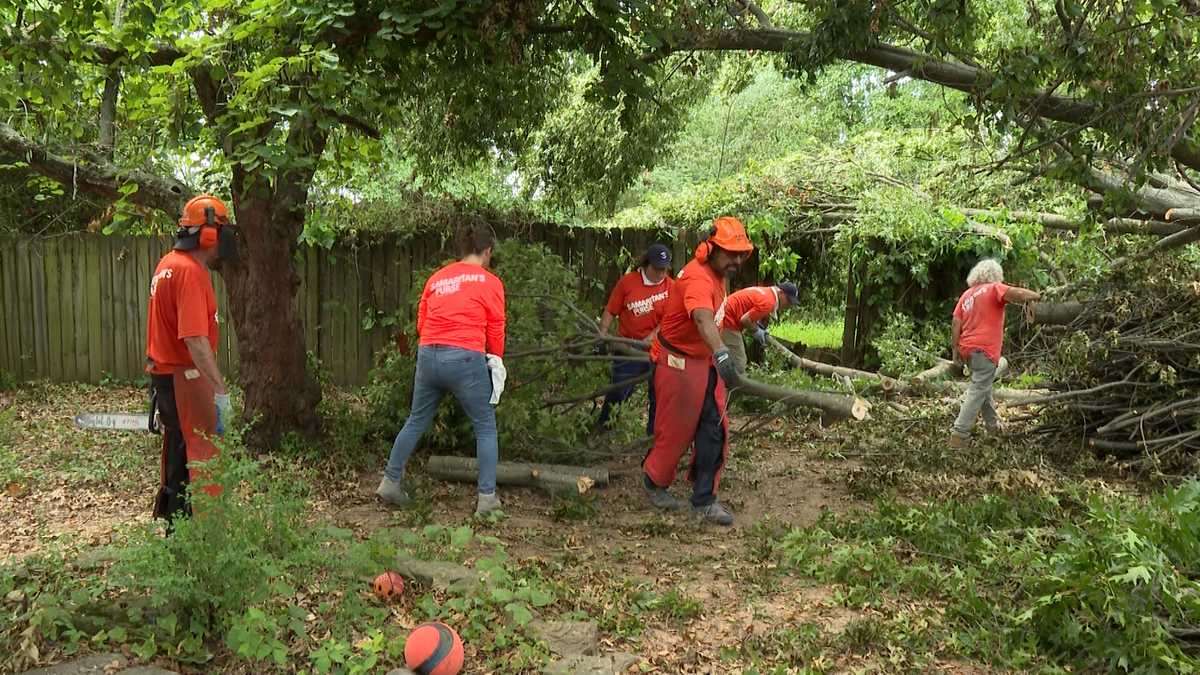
(888, 383)
(554, 478)
(835, 406)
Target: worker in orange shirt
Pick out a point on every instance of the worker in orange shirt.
(190, 398)
(460, 320)
(745, 309)
(692, 369)
(633, 303)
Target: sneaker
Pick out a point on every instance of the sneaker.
(714, 513)
(661, 499)
(487, 503)
(392, 492)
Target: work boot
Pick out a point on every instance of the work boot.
(660, 498)
(714, 513)
(957, 441)
(392, 492)
(487, 503)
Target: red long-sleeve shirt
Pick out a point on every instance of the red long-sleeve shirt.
(463, 306)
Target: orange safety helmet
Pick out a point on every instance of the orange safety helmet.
(728, 233)
(201, 222)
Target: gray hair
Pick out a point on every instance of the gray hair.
(986, 271)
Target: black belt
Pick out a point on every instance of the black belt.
(672, 348)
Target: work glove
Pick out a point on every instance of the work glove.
(224, 412)
(761, 335)
(495, 366)
(600, 349)
(726, 368)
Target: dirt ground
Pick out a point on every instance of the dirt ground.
(87, 485)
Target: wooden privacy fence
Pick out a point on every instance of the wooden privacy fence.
(73, 307)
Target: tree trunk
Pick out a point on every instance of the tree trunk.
(281, 394)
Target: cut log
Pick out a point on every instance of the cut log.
(1056, 313)
(888, 383)
(549, 477)
(835, 406)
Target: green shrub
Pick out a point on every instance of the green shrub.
(904, 347)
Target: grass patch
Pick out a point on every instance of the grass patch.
(814, 333)
(1041, 580)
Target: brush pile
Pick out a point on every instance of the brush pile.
(1126, 369)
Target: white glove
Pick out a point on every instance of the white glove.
(495, 366)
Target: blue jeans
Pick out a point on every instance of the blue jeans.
(461, 372)
(621, 371)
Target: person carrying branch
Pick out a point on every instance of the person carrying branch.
(190, 402)
(692, 369)
(977, 335)
(460, 321)
(745, 309)
(634, 304)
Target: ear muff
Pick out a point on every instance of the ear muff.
(210, 232)
(705, 247)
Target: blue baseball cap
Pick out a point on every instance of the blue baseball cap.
(658, 256)
(789, 289)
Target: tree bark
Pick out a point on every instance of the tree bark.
(549, 477)
(835, 406)
(1056, 313)
(281, 393)
(112, 90)
(1057, 222)
(942, 369)
(97, 175)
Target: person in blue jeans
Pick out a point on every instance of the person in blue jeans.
(634, 304)
(460, 321)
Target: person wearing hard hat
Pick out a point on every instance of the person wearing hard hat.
(634, 304)
(692, 371)
(189, 395)
(460, 320)
(744, 310)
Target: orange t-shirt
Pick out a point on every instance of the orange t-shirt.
(463, 306)
(755, 302)
(980, 310)
(182, 305)
(635, 304)
(698, 287)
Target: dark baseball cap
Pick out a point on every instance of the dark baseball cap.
(658, 256)
(789, 289)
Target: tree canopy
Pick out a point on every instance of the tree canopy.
(263, 102)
